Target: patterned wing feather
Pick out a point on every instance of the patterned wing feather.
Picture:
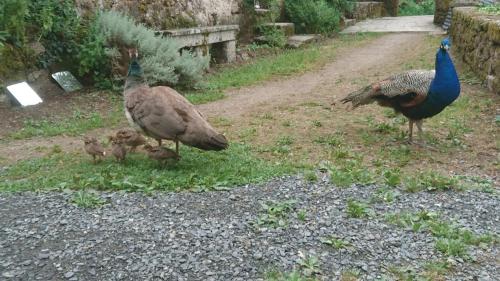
(414, 81)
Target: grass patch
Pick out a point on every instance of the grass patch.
(74, 125)
(335, 242)
(357, 209)
(275, 214)
(451, 240)
(430, 181)
(295, 275)
(87, 199)
(198, 170)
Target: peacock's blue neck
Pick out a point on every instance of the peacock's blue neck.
(445, 86)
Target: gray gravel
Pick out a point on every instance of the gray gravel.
(213, 235)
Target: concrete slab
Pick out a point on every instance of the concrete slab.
(397, 24)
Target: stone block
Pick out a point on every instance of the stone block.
(287, 27)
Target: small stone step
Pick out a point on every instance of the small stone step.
(261, 11)
(349, 22)
(287, 27)
(297, 41)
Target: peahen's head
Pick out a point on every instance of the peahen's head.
(134, 69)
(445, 44)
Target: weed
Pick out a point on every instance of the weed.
(302, 215)
(311, 176)
(333, 140)
(451, 247)
(317, 123)
(430, 181)
(351, 172)
(357, 209)
(87, 199)
(286, 123)
(309, 265)
(451, 240)
(276, 213)
(350, 275)
(335, 242)
(392, 177)
(385, 195)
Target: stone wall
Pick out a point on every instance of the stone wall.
(164, 14)
(476, 39)
(368, 9)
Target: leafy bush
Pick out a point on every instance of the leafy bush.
(160, 57)
(412, 8)
(275, 37)
(314, 16)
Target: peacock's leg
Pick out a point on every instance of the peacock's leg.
(159, 142)
(419, 126)
(177, 147)
(410, 131)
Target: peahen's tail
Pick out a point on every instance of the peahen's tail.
(214, 142)
(359, 97)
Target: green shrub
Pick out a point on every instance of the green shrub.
(411, 8)
(314, 16)
(275, 37)
(160, 57)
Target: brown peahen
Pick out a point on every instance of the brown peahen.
(162, 113)
(417, 94)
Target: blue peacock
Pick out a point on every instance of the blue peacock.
(417, 94)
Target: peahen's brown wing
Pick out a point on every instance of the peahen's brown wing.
(156, 114)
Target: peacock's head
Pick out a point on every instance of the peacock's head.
(445, 44)
(134, 68)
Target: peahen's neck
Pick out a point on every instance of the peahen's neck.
(134, 75)
(445, 84)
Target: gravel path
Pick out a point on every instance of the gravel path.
(213, 235)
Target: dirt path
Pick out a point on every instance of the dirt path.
(324, 86)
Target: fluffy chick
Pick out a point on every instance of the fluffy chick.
(118, 148)
(161, 154)
(94, 148)
(131, 138)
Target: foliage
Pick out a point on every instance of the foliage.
(493, 9)
(87, 199)
(160, 57)
(357, 209)
(57, 26)
(451, 240)
(274, 36)
(276, 213)
(315, 16)
(198, 170)
(414, 8)
(12, 23)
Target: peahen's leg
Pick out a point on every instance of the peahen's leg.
(159, 142)
(177, 147)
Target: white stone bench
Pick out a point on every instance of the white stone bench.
(222, 37)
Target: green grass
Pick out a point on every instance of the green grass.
(87, 199)
(451, 240)
(74, 125)
(275, 214)
(357, 209)
(335, 242)
(198, 170)
(295, 275)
